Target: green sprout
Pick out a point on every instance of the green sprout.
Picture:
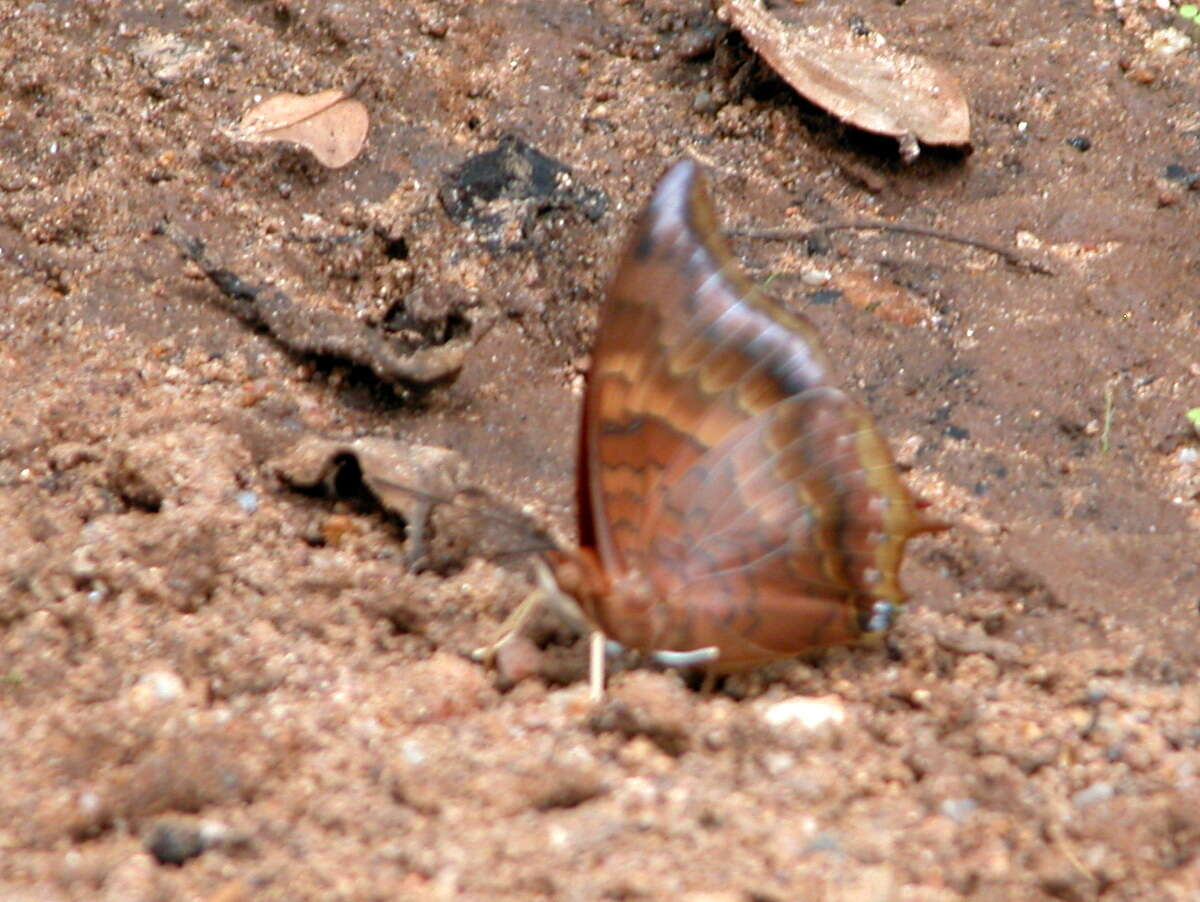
(1194, 416)
(1190, 11)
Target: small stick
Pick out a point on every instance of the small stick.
(309, 329)
(1108, 418)
(1010, 256)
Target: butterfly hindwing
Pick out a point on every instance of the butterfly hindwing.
(756, 499)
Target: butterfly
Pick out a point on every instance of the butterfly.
(736, 506)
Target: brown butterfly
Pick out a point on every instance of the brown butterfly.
(735, 506)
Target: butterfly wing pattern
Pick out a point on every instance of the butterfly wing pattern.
(732, 496)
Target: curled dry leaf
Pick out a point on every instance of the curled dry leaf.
(448, 519)
(406, 479)
(857, 78)
(332, 125)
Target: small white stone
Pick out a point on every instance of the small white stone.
(1097, 792)
(214, 833)
(806, 712)
(1168, 42)
(161, 685)
(778, 763)
(413, 752)
(958, 810)
(89, 802)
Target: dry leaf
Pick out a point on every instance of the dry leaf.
(331, 124)
(448, 519)
(881, 296)
(859, 79)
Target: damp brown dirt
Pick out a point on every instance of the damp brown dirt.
(215, 687)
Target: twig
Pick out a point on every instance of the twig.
(1108, 418)
(1010, 256)
(306, 329)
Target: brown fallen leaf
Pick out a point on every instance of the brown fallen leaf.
(332, 125)
(448, 519)
(881, 296)
(857, 78)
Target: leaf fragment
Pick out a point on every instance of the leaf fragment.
(858, 78)
(332, 125)
(447, 517)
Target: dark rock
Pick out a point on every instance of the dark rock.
(824, 296)
(502, 193)
(174, 842)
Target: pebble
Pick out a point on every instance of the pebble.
(908, 450)
(829, 843)
(336, 528)
(176, 840)
(157, 687)
(696, 43)
(247, 501)
(1169, 197)
(824, 296)
(806, 713)
(958, 810)
(171, 842)
(433, 25)
(704, 103)
(1177, 173)
(1142, 75)
(1097, 792)
(1168, 42)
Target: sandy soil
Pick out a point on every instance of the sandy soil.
(214, 687)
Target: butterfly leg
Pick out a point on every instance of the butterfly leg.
(512, 627)
(597, 654)
(545, 593)
(416, 556)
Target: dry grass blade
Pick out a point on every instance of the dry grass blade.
(859, 79)
(332, 125)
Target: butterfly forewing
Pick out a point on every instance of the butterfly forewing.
(669, 341)
(756, 500)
